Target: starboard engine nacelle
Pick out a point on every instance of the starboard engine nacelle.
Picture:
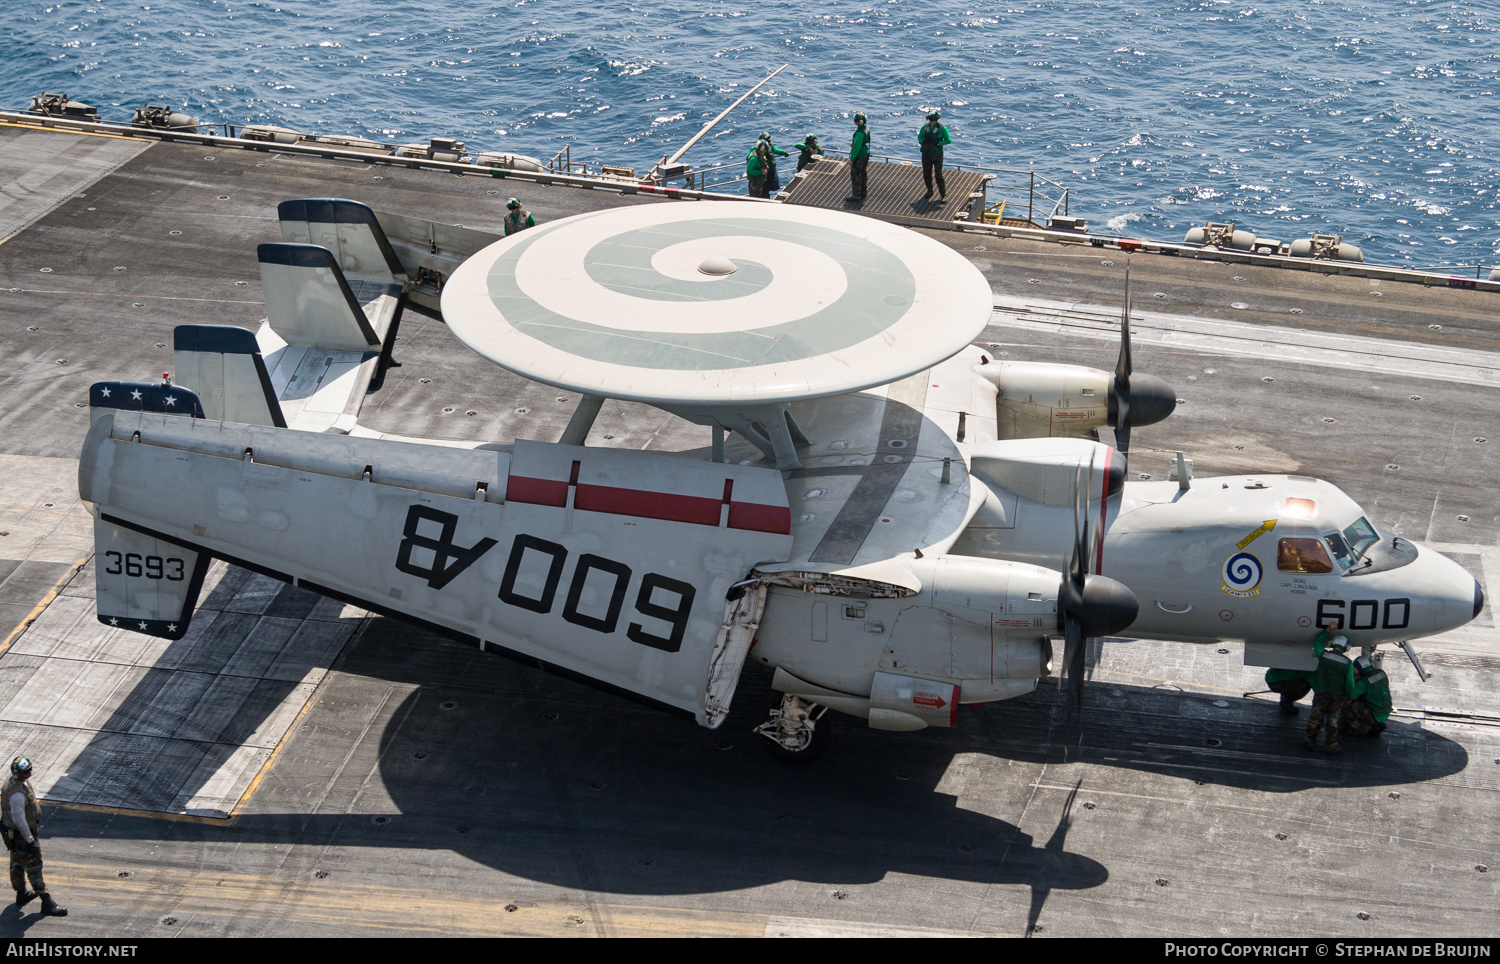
(975, 631)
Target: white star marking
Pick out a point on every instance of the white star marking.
(171, 399)
(114, 620)
(143, 626)
(171, 627)
(136, 395)
(104, 392)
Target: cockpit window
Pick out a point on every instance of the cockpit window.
(1302, 555)
(1299, 508)
(1340, 550)
(1361, 536)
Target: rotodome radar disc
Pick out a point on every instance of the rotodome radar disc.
(716, 302)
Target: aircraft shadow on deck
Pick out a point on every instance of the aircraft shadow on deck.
(552, 781)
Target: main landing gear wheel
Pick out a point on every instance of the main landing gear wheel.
(795, 730)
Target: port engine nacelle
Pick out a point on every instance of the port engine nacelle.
(1044, 399)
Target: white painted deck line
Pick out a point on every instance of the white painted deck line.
(118, 719)
(1217, 337)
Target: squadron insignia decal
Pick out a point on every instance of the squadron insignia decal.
(1241, 575)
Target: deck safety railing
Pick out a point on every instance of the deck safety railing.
(1045, 198)
(562, 163)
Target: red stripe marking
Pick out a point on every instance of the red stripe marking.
(643, 504)
(648, 505)
(953, 709)
(1125, 244)
(760, 518)
(536, 491)
(728, 490)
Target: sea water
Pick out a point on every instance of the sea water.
(1374, 120)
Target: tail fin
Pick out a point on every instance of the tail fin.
(145, 583)
(349, 230)
(309, 302)
(225, 365)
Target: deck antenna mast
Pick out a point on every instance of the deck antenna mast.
(667, 162)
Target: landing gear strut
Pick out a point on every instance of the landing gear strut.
(794, 729)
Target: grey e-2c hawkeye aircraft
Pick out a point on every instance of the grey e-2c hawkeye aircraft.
(891, 520)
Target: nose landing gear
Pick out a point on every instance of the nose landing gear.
(794, 730)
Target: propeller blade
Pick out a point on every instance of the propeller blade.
(1078, 565)
(1073, 653)
(1123, 365)
(1122, 430)
(1072, 606)
(1123, 368)
(1135, 399)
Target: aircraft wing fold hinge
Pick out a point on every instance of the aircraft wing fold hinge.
(742, 616)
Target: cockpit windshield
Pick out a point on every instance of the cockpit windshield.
(1341, 553)
(1361, 536)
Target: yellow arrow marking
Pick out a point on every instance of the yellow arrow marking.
(1265, 527)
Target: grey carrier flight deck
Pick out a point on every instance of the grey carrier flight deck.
(236, 754)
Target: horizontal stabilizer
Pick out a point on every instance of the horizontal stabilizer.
(308, 300)
(224, 364)
(347, 228)
(145, 583)
(105, 397)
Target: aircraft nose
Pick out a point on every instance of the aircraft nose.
(1455, 594)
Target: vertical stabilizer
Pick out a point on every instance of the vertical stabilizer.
(223, 364)
(308, 300)
(347, 228)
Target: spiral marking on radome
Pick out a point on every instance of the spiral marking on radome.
(797, 294)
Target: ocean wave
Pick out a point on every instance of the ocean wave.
(1345, 119)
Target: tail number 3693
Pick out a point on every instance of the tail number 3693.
(169, 568)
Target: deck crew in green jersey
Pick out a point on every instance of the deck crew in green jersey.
(932, 137)
(1291, 685)
(1370, 705)
(859, 159)
(768, 152)
(517, 218)
(755, 171)
(808, 151)
(1332, 683)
